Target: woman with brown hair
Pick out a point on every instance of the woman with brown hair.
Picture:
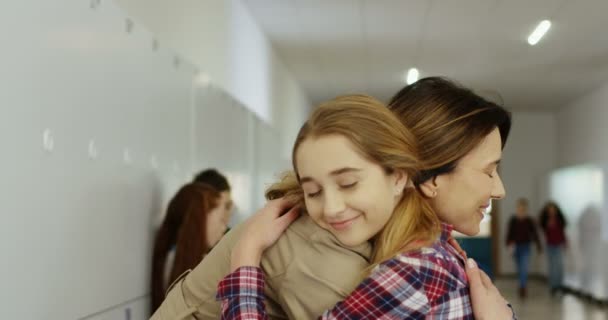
(361, 175)
(194, 223)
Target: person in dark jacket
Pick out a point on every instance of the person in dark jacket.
(520, 235)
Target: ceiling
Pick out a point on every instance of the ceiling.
(334, 47)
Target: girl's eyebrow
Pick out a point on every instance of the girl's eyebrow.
(333, 173)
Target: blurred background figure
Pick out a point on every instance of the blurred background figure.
(219, 182)
(553, 223)
(196, 219)
(521, 234)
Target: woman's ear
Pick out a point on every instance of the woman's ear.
(401, 181)
(429, 188)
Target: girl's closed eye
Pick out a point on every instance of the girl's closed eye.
(348, 185)
(313, 194)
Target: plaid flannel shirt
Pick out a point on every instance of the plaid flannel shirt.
(429, 283)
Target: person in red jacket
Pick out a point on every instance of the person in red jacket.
(553, 223)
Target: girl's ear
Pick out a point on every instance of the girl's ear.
(401, 182)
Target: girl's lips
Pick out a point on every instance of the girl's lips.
(344, 224)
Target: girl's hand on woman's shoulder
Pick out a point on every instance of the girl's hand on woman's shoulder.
(261, 231)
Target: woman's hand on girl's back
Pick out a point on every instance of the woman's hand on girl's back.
(261, 231)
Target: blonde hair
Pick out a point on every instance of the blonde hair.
(380, 137)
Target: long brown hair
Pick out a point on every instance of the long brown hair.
(544, 215)
(184, 227)
(380, 137)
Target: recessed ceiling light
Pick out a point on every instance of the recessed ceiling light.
(412, 76)
(539, 32)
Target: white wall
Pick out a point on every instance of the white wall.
(77, 226)
(581, 137)
(582, 129)
(77, 229)
(224, 41)
(197, 29)
(230, 137)
(529, 155)
(293, 110)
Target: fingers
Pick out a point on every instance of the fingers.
(485, 298)
(286, 219)
(279, 206)
(473, 273)
(485, 280)
(489, 286)
(477, 275)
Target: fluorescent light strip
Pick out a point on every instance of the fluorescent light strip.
(539, 32)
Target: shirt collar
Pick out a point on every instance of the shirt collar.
(446, 231)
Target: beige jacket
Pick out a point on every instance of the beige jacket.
(307, 272)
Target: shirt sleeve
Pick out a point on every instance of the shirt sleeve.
(242, 295)
(393, 291)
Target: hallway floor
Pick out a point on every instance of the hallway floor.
(540, 305)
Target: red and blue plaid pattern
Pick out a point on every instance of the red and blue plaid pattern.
(429, 283)
(244, 288)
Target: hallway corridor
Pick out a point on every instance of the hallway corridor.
(539, 305)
